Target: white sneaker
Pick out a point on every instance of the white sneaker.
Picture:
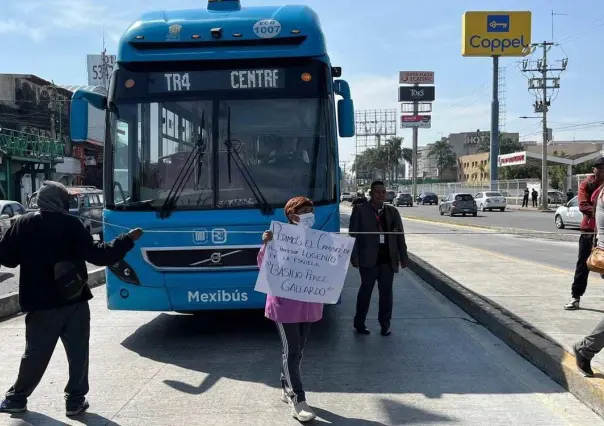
(302, 412)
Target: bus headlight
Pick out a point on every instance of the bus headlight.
(124, 272)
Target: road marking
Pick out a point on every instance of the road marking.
(450, 224)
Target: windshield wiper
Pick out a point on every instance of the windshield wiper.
(185, 174)
(265, 207)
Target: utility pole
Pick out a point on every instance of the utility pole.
(414, 157)
(542, 85)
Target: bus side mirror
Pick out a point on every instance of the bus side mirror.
(78, 114)
(345, 109)
(346, 118)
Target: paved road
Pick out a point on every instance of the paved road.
(439, 367)
(531, 221)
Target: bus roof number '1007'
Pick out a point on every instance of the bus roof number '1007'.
(251, 32)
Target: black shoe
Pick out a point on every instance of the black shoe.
(362, 330)
(583, 364)
(12, 407)
(386, 331)
(76, 409)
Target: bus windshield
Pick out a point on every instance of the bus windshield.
(283, 138)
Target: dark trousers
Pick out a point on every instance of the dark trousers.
(384, 275)
(525, 201)
(593, 343)
(534, 202)
(42, 331)
(293, 338)
(579, 286)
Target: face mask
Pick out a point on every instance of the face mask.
(307, 220)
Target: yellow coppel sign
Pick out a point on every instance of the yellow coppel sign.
(495, 33)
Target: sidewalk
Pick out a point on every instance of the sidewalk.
(552, 208)
(534, 292)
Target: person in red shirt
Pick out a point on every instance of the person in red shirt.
(587, 189)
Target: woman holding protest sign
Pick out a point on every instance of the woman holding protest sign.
(293, 319)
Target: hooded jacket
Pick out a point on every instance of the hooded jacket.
(36, 241)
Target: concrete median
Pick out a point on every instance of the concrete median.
(520, 335)
(9, 304)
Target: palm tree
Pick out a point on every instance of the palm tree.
(444, 155)
(394, 150)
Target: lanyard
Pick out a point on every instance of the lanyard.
(378, 217)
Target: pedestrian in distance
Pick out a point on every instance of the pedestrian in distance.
(534, 195)
(525, 198)
(51, 247)
(587, 188)
(377, 255)
(293, 319)
(592, 344)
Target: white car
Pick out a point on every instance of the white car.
(490, 200)
(568, 214)
(9, 211)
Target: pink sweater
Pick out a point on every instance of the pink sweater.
(283, 310)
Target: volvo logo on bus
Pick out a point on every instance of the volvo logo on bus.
(215, 257)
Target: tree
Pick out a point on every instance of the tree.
(408, 155)
(444, 155)
(380, 162)
(507, 145)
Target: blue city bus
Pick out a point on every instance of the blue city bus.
(215, 118)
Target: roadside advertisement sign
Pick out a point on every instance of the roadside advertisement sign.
(416, 77)
(99, 72)
(419, 121)
(513, 159)
(496, 33)
(416, 94)
(422, 107)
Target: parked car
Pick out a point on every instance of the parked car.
(427, 198)
(359, 199)
(86, 202)
(347, 196)
(390, 196)
(461, 203)
(490, 201)
(568, 214)
(403, 199)
(9, 212)
(554, 197)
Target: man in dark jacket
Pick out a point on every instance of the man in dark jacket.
(586, 240)
(37, 242)
(378, 256)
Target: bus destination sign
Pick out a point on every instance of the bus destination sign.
(194, 81)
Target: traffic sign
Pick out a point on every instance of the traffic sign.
(496, 33)
(419, 121)
(416, 77)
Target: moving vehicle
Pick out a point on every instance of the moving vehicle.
(460, 203)
(9, 212)
(86, 202)
(347, 196)
(390, 196)
(403, 199)
(218, 116)
(568, 214)
(427, 198)
(490, 201)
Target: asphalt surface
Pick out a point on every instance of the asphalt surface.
(438, 367)
(518, 219)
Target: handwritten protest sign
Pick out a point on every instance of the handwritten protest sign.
(304, 264)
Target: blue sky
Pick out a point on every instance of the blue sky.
(371, 40)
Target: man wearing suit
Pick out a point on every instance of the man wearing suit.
(377, 255)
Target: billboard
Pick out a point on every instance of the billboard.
(495, 33)
(513, 159)
(100, 69)
(416, 77)
(419, 121)
(416, 94)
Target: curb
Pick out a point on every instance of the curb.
(512, 231)
(521, 336)
(9, 305)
